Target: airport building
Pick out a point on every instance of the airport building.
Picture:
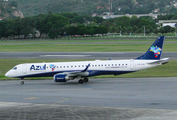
(109, 15)
(170, 23)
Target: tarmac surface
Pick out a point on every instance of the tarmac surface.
(101, 98)
(79, 55)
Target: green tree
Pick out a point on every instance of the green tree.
(3, 24)
(77, 19)
(71, 30)
(168, 29)
(13, 4)
(40, 23)
(122, 21)
(53, 33)
(102, 30)
(69, 15)
(107, 23)
(112, 29)
(161, 30)
(90, 30)
(156, 31)
(18, 26)
(98, 20)
(55, 23)
(10, 28)
(27, 27)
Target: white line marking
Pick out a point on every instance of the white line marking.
(64, 55)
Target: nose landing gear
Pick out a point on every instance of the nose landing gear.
(22, 82)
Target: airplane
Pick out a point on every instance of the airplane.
(65, 71)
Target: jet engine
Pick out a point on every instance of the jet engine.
(60, 78)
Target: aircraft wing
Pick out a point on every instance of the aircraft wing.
(78, 73)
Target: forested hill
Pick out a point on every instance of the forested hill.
(34, 7)
(9, 10)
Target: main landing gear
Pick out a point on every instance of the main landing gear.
(81, 81)
(22, 82)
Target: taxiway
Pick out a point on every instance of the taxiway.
(79, 55)
(113, 98)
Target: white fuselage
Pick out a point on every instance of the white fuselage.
(97, 67)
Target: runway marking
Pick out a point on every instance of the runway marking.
(60, 101)
(64, 55)
(31, 98)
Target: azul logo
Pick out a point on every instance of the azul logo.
(52, 66)
(38, 67)
(156, 50)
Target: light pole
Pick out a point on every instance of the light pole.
(120, 30)
(175, 28)
(144, 30)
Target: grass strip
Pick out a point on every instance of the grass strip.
(121, 47)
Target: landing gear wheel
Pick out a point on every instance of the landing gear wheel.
(81, 81)
(86, 79)
(22, 82)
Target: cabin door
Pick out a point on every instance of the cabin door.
(131, 64)
(24, 69)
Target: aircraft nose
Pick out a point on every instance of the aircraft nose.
(7, 74)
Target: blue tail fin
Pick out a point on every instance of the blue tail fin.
(155, 51)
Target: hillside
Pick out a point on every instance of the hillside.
(9, 10)
(34, 7)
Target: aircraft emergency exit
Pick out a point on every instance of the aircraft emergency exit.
(65, 71)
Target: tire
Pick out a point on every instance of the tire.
(86, 79)
(22, 82)
(81, 81)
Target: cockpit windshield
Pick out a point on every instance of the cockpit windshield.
(15, 68)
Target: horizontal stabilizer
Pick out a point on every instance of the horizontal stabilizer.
(161, 61)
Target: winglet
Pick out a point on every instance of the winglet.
(86, 68)
(155, 50)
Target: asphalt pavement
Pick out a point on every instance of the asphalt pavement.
(113, 98)
(79, 55)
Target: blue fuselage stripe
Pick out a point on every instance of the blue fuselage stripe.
(91, 73)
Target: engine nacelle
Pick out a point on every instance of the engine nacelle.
(60, 78)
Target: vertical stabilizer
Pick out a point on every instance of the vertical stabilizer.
(155, 51)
